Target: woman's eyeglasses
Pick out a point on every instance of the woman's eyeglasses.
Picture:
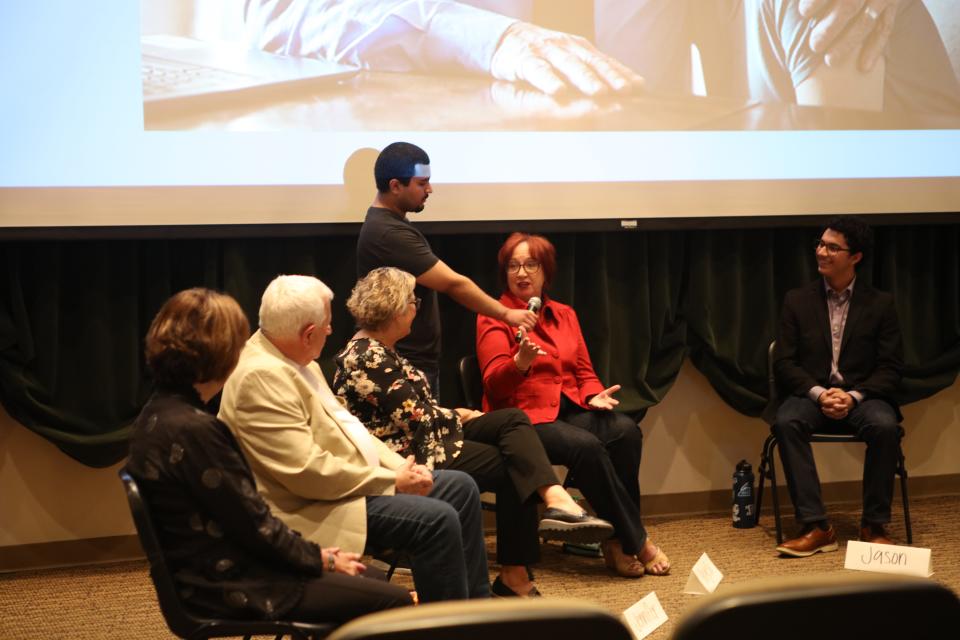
(415, 302)
(530, 266)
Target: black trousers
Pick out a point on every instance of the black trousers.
(875, 421)
(502, 452)
(334, 597)
(602, 450)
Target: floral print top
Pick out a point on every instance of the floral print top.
(392, 398)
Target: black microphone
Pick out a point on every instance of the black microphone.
(533, 304)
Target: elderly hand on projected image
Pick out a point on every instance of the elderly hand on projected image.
(558, 63)
(850, 27)
(523, 101)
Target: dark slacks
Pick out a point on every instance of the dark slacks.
(334, 597)
(873, 420)
(602, 450)
(442, 532)
(502, 452)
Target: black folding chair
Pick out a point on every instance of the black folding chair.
(183, 623)
(500, 618)
(767, 455)
(826, 606)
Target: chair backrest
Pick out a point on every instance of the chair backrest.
(773, 396)
(828, 606)
(516, 619)
(181, 622)
(471, 382)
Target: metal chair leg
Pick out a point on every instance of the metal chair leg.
(762, 476)
(773, 491)
(903, 496)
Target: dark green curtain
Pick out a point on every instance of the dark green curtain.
(73, 313)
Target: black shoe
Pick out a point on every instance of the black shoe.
(500, 590)
(573, 527)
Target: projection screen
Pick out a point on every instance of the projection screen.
(228, 112)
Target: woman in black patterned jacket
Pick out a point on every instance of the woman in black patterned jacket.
(229, 555)
(498, 449)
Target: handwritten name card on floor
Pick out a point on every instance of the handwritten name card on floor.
(888, 558)
(645, 615)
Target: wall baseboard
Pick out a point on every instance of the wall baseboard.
(681, 504)
(68, 553)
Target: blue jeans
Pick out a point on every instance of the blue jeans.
(443, 534)
(875, 421)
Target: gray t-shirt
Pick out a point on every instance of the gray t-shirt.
(386, 240)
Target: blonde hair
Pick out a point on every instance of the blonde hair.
(196, 336)
(290, 303)
(380, 296)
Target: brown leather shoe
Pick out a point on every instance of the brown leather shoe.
(875, 534)
(810, 542)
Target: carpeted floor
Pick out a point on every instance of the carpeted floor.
(118, 600)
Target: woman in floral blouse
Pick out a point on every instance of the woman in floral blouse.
(499, 449)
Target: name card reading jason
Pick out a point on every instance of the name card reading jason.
(888, 558)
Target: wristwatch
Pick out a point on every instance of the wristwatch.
(331, 562)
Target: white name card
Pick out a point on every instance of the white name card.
(704, 577)
(645, 615)
(888, 558)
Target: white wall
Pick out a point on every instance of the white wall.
(692, 441)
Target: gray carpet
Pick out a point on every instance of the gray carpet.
(118, 600)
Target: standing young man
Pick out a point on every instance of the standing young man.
(388, 239)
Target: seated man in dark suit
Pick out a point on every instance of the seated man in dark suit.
(838, 359)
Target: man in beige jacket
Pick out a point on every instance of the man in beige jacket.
(321, 471)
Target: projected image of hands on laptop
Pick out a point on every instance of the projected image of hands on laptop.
(529, 65)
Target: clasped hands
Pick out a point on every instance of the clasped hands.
(413, 478)
(835, 403)
(344, 562)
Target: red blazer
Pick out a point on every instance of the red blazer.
(565, 369)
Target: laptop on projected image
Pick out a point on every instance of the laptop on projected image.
(182, 76)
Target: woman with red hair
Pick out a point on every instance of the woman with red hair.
(548, 374)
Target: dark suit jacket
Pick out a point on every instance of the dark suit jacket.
(871, 351)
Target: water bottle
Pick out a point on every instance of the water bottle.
(743, 515)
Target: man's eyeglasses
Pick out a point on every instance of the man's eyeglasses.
(415, 302)
(530, 266)
(832, 249)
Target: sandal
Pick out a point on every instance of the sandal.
(659, 558)
(619, 562)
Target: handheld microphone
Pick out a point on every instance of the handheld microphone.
(533, 304)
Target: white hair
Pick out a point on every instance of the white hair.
(290, 303)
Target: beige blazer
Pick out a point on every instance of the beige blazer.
(307, 468)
